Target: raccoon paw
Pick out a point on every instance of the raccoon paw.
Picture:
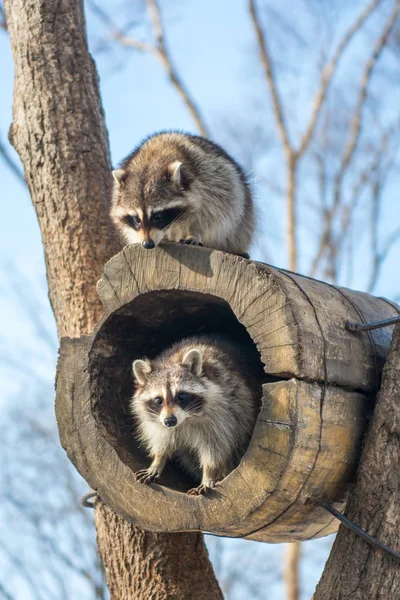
(146, 476)
(191, 242)
(202, 489)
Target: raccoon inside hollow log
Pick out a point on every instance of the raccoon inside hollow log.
(198, 400)
(183, 188)
(307, 436)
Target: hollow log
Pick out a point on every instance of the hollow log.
(307, 438)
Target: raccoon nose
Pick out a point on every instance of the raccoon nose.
(170, 421)
(148, 244)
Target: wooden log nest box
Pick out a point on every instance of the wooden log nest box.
(307, 437)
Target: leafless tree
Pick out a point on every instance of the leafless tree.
(339, 153)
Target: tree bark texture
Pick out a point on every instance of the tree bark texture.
(173, 566)
(355, 569)
(59, 132)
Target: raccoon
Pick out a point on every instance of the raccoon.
(197, 401)
(183, 188)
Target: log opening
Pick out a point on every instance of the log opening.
(144, 327)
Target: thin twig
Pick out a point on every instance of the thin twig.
(327, 74)
(354, 135)
(379, 256)
(165, 59)
(270, 76)
(364, 178)
(159, 50)
(115, 32)
(355, 126)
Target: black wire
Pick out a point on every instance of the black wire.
(353, 527)
(370, 326)
(86, 497)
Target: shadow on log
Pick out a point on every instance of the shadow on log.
(308, 434)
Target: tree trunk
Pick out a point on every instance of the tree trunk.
(291, 570)
(173, 566)
(355, 569)
(291, 188)
(60, 135)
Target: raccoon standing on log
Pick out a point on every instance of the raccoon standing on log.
(198, 401)
(183, 188)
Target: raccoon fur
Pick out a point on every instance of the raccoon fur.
(183, 188)
(197, 401)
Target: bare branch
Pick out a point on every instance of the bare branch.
(165, 59)
(365, 177)
(270, 76)
(327, 74)
(355, 127)
(380, 256)
(284, 135)
(160, 51)
(355, 130)
(120, 35)
(291, 208)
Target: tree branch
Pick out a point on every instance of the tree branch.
(380, 256)
(355, 126)
(365, 177)
(160, 51)
(355, 130)
(165, 59)
(291, 571)
(327, 74)
(270, 76)
(116, 33)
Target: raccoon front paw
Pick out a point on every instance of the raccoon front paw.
(191, 242)
(202, 489)
(147, 476)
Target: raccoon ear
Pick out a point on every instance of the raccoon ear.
(174, 172)
(179, 175)
(141, 368)
(119, 176)
(193, 360)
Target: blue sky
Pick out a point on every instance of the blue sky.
(213, 45)
(217, 59)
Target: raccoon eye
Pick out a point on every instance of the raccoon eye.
(158, 401)
(133, 221)
(184, 396)
(156, 217)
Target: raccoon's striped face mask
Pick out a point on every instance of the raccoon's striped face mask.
(147, 211)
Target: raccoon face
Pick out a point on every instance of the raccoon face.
(170, 394)
(149, 202)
